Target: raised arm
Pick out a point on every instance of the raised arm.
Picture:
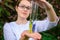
(52, 18)
(49, 9)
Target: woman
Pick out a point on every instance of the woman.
(18, 30)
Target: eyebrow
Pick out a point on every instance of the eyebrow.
(25, 5)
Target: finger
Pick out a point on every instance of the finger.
(35, 39)
(45, 4)
(35, 36)
(39, 0)
(24, 33)
(40, 3)
(38, 35)
(42, 0)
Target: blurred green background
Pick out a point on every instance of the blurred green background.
(7, 12)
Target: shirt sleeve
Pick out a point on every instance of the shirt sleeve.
(45, 25)
(8, 34)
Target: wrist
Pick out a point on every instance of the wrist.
(49, 8)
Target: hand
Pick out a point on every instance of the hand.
(43, 4)
(34, 35)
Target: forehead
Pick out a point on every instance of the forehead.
(26, 3)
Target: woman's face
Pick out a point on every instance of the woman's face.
(24, 9)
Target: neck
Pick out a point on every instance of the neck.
(21, 21)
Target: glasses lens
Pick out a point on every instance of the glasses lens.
(22, 6)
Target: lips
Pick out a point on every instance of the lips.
(24, 13)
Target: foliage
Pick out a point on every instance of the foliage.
(7, 13)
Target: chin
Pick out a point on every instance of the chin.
(24, 17)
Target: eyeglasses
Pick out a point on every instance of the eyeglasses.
(23, 7)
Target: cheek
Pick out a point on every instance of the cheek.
(30, 12)
(19, 10)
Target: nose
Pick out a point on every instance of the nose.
(25, 9)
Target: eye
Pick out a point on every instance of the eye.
(22, 6)
(28, 7)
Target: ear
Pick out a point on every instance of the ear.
(16, 8)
